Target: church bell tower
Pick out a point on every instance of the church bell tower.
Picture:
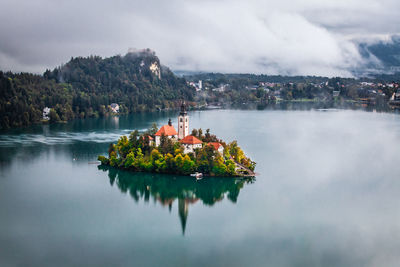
(183, 122)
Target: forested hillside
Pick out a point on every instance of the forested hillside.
(86, 86)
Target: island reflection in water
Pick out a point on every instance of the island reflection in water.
(165, 189)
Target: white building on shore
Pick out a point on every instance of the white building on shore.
(46, 113)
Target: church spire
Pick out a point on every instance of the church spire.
(183, 109)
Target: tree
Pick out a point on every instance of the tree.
(170, 162)
(260, 92)
(153, 129)
(54, 116)
(207, 137)
(188, 165)
(166, 145)
(200, 134)
(133, 138)
(155, 155)
(139, 160)
(123, 146)
(195, 132)
(236, 152)
(111, 150)
(219, 167)
(231, 167)
(129, 161)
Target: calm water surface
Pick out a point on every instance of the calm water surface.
(327, 194)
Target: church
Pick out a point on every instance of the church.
(189, 142)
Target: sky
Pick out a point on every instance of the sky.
(287, 37)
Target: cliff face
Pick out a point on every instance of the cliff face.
(155, 69)
(148, 61)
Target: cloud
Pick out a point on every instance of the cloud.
(273, 37)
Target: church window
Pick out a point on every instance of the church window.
(181, 120)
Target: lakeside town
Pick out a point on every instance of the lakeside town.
(225, 88)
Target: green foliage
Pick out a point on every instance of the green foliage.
(114, 162)
(188, 165)
(230, 165)
(129, 161)
(54, 116)
(219, 168)
(112, 151)
(236, 152)
(166, 145)
(133, 138)
(153, 129)
(103, 160)
(123, 146)
(208, 137)
(170, 162)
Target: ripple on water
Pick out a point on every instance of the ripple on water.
(57, 138)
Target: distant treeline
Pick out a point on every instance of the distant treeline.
(85, 87)
(245, 88)
(238, 79)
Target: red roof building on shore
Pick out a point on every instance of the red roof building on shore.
(217, 146)
(190, 143)
(190, 140)
(167, 130)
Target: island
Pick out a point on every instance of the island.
(166, 150)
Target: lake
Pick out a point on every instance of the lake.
(327, 194)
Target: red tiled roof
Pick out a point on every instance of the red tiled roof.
(215, 145)
(191, 140)
(167, 131)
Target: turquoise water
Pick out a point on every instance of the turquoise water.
(327, 194)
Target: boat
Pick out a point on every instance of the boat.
(198, 175)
